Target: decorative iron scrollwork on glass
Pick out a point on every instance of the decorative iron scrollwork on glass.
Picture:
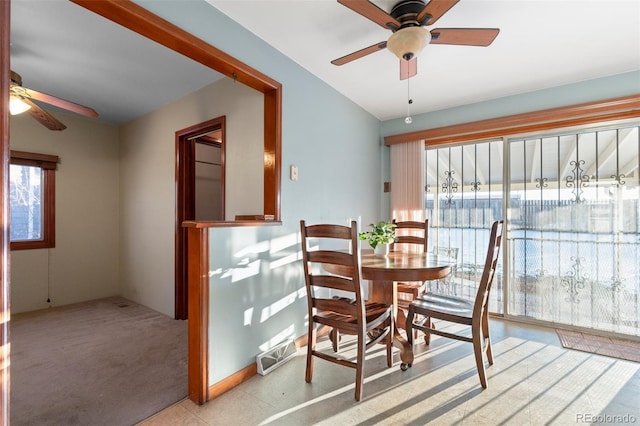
(542, 182)
(618, 179)
(616, 284)
(578, 180)
(575, 280)
(449, 186)
(475, 186)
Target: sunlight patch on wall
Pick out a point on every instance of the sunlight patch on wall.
(284, 242)
(292, 258)
(260, 247)
(244, 270)
(248, 314)
(279, 305)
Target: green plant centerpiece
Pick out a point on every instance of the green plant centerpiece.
(381, 235)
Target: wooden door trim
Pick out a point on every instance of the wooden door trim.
(185, 188)
(5, 313)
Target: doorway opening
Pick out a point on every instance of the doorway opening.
(200, 163)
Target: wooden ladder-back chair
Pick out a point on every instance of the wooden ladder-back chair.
(416, 235)
(329, 267)
(461, 311)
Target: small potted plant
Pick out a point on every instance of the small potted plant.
(380, 236)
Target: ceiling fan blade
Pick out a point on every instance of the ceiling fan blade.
(464, 36)
(408, 68)
(360, 53)
(434, 11)
(60, 103)
(46, 119)
(372, 12)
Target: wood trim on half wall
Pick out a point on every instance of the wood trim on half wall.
(198, 278)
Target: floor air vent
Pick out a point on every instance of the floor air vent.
(273, 358)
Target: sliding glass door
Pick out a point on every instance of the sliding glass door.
(463, 195)
(571, 202)
(574, 240)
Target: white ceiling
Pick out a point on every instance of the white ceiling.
(62, 49)
(542, 43)
(67, 51)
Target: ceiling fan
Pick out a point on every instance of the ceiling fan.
(407, 21)
(20, 101)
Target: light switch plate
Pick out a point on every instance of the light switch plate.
(294, 172)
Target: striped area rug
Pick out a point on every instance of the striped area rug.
(600, 345)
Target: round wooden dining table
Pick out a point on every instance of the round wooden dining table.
(385, 271)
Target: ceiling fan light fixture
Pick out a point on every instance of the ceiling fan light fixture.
(17, 105)
(408, 42)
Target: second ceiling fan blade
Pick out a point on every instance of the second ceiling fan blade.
(372, 12)
(360, 53)
(60, 103)
(464, 36)
(434, 11)
(46, 119)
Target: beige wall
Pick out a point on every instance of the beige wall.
(84, 263)
(147, 182)
(115, 198)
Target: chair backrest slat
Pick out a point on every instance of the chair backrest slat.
(412, 232)
(332, 264)
(340, 306)
(329, 231)
(330, 257)
(331, 281)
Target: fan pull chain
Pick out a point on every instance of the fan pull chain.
(408, 119)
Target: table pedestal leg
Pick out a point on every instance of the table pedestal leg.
(387, 292)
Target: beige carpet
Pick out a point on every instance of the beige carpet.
(616, 348)
(105, 362)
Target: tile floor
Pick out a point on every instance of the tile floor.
(534, 381)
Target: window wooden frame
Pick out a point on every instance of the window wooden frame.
(589, 113)
(48, 164)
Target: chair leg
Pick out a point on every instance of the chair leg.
(477, 351)
(427, 335)
(311, 346)
(334, 336)
(409, 325)
(390, 335)
(487, 339)
(362, 347)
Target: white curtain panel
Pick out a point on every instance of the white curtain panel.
(407, 181)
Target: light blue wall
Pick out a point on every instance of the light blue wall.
(257, 287)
